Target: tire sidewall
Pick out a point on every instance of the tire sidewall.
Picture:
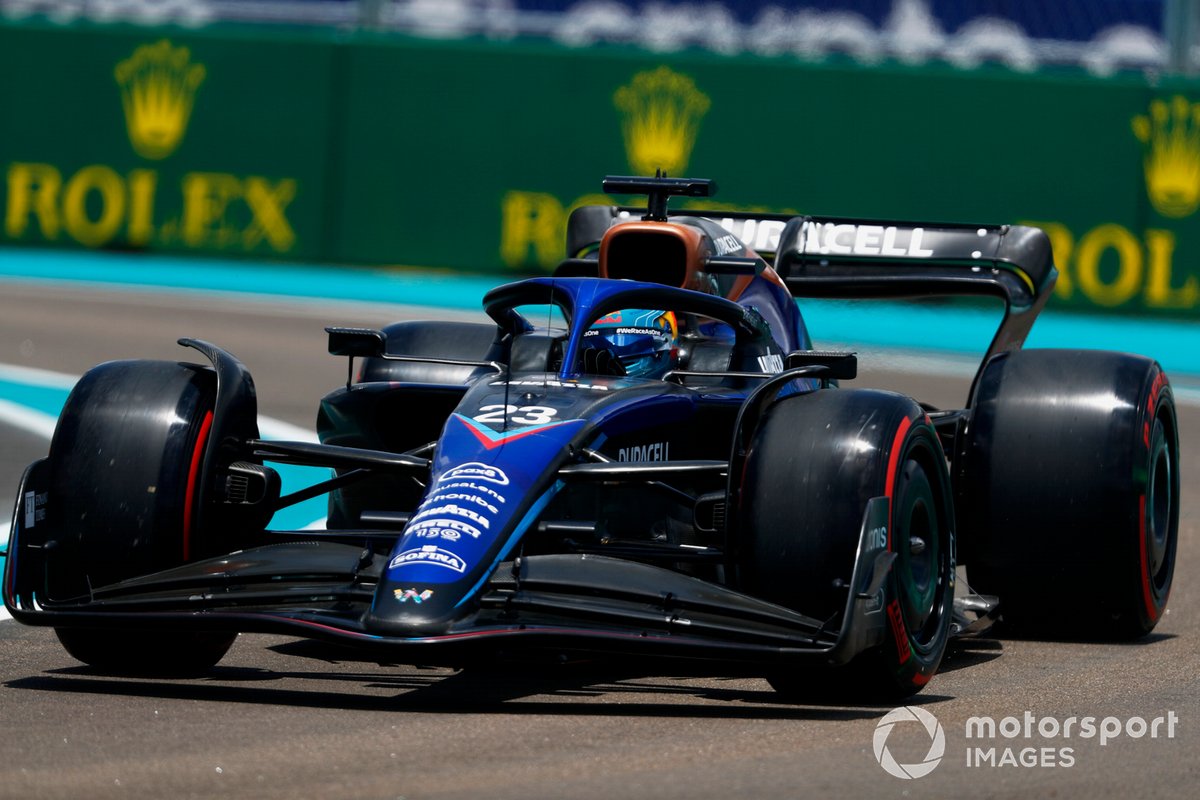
(856, 443)
(1159, 450)
(1054, 492)
(120, 469)
(912, 653)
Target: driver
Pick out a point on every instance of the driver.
(635, 342)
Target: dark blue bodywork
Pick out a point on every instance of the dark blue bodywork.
(495, 467)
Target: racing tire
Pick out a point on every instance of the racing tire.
(124, 485)
(147, 653)
(814, 463)
(1070, 492)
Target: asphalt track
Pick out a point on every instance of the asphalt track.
(279, 718)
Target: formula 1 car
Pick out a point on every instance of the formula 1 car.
(642, 456)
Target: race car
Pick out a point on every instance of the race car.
(641, 455)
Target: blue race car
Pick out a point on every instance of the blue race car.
(641, 455)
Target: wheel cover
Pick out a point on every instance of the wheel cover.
(1160, 517)
(921, 557)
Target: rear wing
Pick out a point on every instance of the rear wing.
(837, 257)
(853, 258)
(840, 257)
(845, 257)
(858, 258)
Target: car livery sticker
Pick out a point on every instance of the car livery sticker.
(429, 554)
(482, 486)
(439, 512)
(476, 470)
(491, 439)
(405, 595)
(655, 451)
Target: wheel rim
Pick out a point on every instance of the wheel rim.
(920, 551)
(1160, 510)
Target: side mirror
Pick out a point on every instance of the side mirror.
(840, 366)
(734, 265)
(356, 342)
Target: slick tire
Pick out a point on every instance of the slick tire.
(124, 486)
(1070, 497)
(814, 463)
(147, 653)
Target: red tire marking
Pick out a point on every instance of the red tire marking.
(899, 632)
(189, 500)
(905, 424)
(1147, 594)
(1160, 380)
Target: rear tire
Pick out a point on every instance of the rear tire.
(125, 476)
(1071, 492)
(815, 462)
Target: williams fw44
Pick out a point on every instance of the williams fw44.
(641, 455)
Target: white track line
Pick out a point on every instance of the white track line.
(37, 377)
(38, 423)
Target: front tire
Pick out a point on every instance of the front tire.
(125, 476)
(814, 463)
(158, 653)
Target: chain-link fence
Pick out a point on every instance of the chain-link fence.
(1101, 36)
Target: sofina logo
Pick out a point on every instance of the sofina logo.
(661, 112)
(1171, 135)
(158, 87)
(932, 728)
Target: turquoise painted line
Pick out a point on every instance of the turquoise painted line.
(423, 288)
(47, 399)
(294, 478)
(1176, 345)
(915, 326)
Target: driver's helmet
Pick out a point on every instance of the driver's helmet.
(644, 342)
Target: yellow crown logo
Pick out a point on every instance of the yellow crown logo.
(158, 86)
(662, 112)
(1171, 134)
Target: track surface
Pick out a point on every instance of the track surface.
(279, 718)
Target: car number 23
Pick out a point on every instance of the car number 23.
(519, 415)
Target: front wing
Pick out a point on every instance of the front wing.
(319, 586)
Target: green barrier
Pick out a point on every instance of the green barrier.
(126, 138)
(373, 149)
